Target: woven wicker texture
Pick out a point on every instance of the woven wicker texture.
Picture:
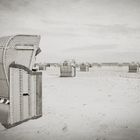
(9, 54)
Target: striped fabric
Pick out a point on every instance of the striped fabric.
(4, 101)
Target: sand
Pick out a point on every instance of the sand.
(102, 104)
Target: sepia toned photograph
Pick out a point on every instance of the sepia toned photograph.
(69, 69)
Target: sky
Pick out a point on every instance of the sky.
(84, 30)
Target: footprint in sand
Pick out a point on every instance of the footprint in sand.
(65, 128)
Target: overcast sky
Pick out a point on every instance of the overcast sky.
(85, 30)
